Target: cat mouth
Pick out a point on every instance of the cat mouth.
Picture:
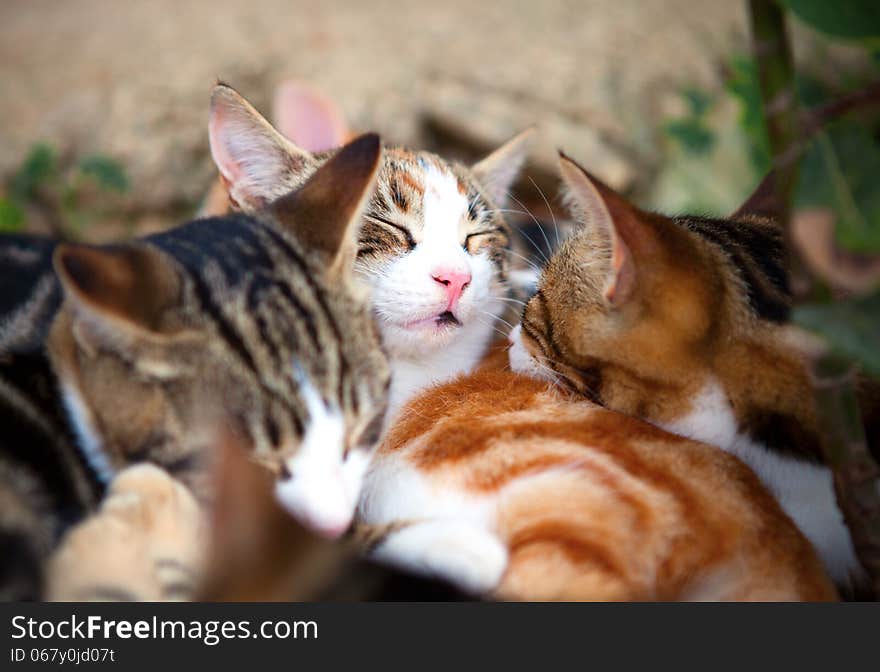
(444, 320)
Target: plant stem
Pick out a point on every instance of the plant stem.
(772, 51)
(856, 474)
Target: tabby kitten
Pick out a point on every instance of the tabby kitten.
(433, 247)
(152, 541)
(249, 325)
(514, 489)
(683, 322)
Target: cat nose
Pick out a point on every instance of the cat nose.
(455, 281)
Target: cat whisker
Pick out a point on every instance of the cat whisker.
(499, 331)
(547, 203)
(531, 263)
(511, 300)
(509, 210)
(500, 319)
(537, 223)
(535, 245)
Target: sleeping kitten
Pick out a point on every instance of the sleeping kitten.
(433, 247)
(243, 324)
(513, 489)
(683, 322)
(151, 541)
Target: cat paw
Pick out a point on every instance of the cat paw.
(467, 556)
(144, 543)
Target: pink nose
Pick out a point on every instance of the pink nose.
(455, 281)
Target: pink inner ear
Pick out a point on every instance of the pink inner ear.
(308, 117)
(227, 165)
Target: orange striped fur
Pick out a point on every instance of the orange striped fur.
(582, 503)
(684, 322)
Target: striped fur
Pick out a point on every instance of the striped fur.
(427, 215)
(683, 322)
(239, 324)
(44, 482)
(515, 490)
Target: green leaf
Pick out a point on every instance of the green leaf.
(38, 167)
(839, 171)
(694, 136)
(851, 19)
(743, 85)
(108, 173)
(11, 217)
(851, 328)
(698, 100)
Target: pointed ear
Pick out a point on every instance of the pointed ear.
(256, 163)
(763, 201)
(125, 288)
(498, 171)
(308, 117)
(324, 214)
(605, 213)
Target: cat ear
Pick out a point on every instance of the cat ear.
(498, 171)
(601, 209)
(762, 202)
(122, 290)
(256, 163)
(324, 214)
(308, 117)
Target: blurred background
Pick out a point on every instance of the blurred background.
(103, 105)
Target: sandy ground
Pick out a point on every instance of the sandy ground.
(131, 78)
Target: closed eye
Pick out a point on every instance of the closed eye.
(486, 232)
(406, 234)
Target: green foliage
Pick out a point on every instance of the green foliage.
(839, 169)
(851, 328)
(65, 190)
(691, 131)
(699, 102)
(839, 172)
(39, 167)
(693, 135)
(851, 19)
(108, 173)
(11, 217)
(744, 86)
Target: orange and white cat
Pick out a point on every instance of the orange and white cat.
(514, 489)
(683, 322)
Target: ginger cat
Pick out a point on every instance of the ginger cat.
(684, 322)
(514, 489)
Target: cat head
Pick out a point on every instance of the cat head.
(433, 247)
(248, 325)
(639, 311)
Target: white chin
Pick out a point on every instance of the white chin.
(419, 339)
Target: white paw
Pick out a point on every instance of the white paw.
(468, 556)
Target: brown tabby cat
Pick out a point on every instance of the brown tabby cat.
(151, 541)
(252, 325)
(514, 489)
(682, 321)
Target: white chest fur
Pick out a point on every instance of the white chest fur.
(804, 490)
(445, 531)
(412, 374)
